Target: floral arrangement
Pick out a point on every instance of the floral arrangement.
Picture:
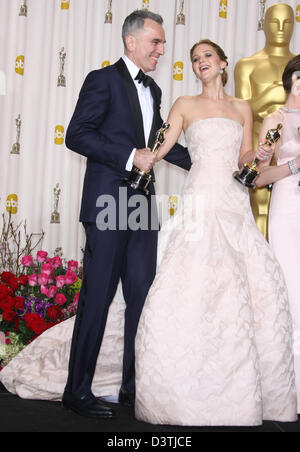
(43, 294)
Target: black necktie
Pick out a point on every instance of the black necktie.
(143, 78)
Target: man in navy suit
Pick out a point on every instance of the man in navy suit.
(115, 119)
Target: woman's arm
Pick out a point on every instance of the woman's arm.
(175, 119)
(270, 174)
(247, 155)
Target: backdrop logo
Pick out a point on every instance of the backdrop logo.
(59, 134)
(20, 64)
(145, 4)
(172, 205)
(12, 204)
(298, 13)
(65, 4)
(178, 70)
(105, 63)
(223, 9)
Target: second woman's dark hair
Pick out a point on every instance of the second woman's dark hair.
(292, 66)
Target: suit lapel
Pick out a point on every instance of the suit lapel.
(156, 123)
(133, 101)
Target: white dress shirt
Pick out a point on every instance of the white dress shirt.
(146, 103)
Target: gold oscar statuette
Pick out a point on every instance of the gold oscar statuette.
(249, 173)
(261, 21)
(108, 14)
(23, 9)
(55, 216)
(16, 146)
(138, 179)
(180, 20)
(61, 81)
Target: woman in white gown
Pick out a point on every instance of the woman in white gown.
(284, 214)
(214, 344)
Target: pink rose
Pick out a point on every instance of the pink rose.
(27, 261)
(60, 299)
(41, 256)
(56, 261)
(32, 280)
(60, 281)
(51, 291)
(43, 278)
(76, 298)
(44, 290)
(73, 266)
(70, 277)
(47, 268)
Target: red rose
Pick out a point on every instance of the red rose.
(19, 303)
(54, 313)
(6, 276)
(9, 316)
(23, 279)
(7, 303)
(10, 279)
(30, 318)
(60, 299)
(39, 326)
(4, 290)
(35, 323)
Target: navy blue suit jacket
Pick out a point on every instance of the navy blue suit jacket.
(106, 126)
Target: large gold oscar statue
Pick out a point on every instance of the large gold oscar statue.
(258, 80)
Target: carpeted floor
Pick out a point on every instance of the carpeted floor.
(18, 415)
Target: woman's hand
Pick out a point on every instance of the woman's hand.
(264, 152)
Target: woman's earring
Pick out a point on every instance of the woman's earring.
(222, 71)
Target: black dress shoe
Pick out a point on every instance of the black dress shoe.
(87, 405)
(126, 398)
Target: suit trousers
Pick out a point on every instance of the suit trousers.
(111, 255)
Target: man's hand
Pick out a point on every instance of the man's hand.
(144, 159)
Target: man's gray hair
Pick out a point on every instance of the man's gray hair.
(135, 21)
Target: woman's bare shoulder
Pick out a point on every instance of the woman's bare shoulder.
(183, 104)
